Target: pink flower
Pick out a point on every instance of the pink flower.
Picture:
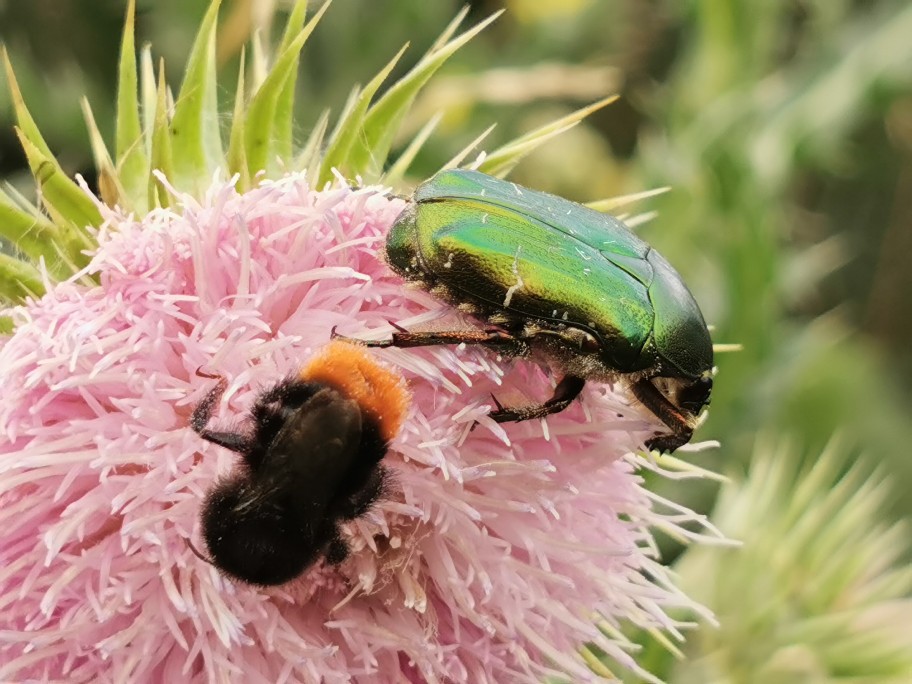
(493, 558)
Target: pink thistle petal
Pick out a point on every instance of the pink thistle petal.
(491, 561)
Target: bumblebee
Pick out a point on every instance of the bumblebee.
(310, 460)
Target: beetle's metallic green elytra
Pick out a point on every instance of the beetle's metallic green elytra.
(557, 277)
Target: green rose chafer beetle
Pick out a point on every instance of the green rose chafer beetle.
(554, 277)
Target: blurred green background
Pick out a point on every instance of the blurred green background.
(783, 127)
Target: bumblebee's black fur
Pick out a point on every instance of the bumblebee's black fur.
(310, 461)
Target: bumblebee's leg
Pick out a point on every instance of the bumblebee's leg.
(565, 392)
(681, 426)
(356, 503)
(494, 338)
(203, 412)
(234, 441)
(336, 549)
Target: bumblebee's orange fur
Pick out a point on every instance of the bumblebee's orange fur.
(355, 372)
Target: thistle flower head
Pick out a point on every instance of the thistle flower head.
(491, 559)
(495, 554)
(820, 591)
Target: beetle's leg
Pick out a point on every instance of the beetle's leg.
(495, 338)
(566, 391)
(680, 424)
(203, 412)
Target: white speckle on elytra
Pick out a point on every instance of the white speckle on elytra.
(519, 280)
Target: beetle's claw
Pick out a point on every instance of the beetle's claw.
(333, 335)
(212, 376)
(397, 326)
(666, 443)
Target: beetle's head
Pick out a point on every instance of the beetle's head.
(688, 394)
(402, 245)
(693, 396)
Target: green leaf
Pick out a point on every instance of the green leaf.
(109, 186)
(467, 150)
(237, 154)
(350, 127)
(384, 119)
(259, 130)
(128, 126)
(612, 203)
(196, 146)
(309, 157)
(350, 102)
(161, 145)
(18, 279)
(450, 29)
(259, 63)
(28, 231)
(148, 97)
(129, 149)
(284, 114)
(67, 204)
(294, 24)
(64, 200)
(24, 119)
(503, 159)
(397, 171)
